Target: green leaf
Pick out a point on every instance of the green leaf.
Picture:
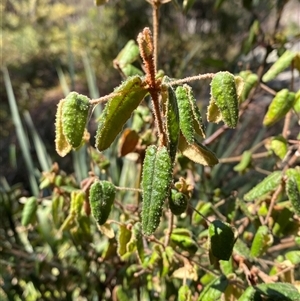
(137, 234)
(204, 209)
(184, 293)
(277, 291)
(293, 191)
(261, 242)
(62, 145)
(282, 221)
(77, 199)
(184, 241)
(101, 196)
(280, 65)
(222, 238)
(75, 110)
(197, 152)
(223, 91)
(185, 114)
(189, 113)
(121, 294)
(250, 81)
(214, 290)
(242, 249)
(293, 257)
(177, 202)
(253, 33)
(297, 102)
(213, 113)
(280, 105)
(118, 110)
(123, 239)
(245, 162)
(29, 211)
(267, 185)
(172, 119)
(128, 55)
(248, 294)
(156, 180)
(279, 146)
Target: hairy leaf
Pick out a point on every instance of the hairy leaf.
(245, 162)
(156, 179)
(221, 239)
(189, 113)
(267, 185)
(280, 65)
(197, 152)
(223, 91)
(250, 81)
(29, 211)
(177, 202)
(102, 195)
(118, 110)
(277, 291)
(172, 119)
(293, 189)
(280, 105)
(75, 112)
(262, 240)
(214, 290)
(62, 145)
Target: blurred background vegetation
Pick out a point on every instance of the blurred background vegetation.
(50, 47)
(41, 39)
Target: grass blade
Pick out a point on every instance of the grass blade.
(22, 137)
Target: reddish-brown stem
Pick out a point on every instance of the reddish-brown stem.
(155, 18)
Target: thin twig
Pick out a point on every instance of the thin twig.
(170, 228)
(281, 246)
(268, 89)
(238, 158)
(129, 189)
(272, 203)
(104, 98)
(286, 126)
(215, 135)
(155, 19)
(191, 78)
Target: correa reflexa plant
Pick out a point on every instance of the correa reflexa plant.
(179, 127)
(184, 232)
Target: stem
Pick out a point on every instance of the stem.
(238, 158)
(215, 135)
(128, 189)
(192, 78)
(204, 217)
(158, 119)
(274, 197)
(104, 98)
(286, 126)
(170, 228)
(155, 18)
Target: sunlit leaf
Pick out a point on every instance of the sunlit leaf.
(118, 110)
(267, 185)
(261, 242)
(280, 105)
(156, 179)
(197, 152)
(280, 65)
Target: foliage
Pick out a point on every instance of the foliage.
(185, 212)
